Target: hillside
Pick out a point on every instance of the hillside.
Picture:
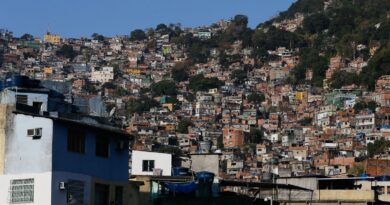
(348, 28)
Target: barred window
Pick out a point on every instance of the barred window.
(21, 191)
(75, 195)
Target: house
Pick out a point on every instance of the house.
(49, 159)
(262, 149)
(233, 137)
(365, 122)
(38, 98)
(52, 38)
(234, 166)
(150, 163)
(104, 75)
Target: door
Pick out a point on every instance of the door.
(102, 194)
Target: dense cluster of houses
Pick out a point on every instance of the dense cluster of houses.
(288, 131)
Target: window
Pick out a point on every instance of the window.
(147, 165)
(21, 191)
(76, 141)
(37, 105)
(102, 146)
(75, 192)
(21, 99)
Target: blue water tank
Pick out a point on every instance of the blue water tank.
(180, 171)
(205, 176)
(205, 183)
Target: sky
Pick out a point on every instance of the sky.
(81, 18)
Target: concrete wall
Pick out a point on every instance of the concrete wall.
(344, 195)
(47, 192)
(161, 161)
(24, 154)
(42, 184)
(9, 97)
(144, 190)
(4, 112)
(205, 162)
(308, 183)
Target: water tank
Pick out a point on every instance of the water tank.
(180, 171)
(205, 184)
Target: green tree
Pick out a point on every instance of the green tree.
(165, 87)
(272, 38)
(361, 105)
(379, 65)
(179, 72)
(316, 23)
(140, 105)
(137, 35)
(306, 121)
(183, 125)
(343, 78)
(256, 97)
(89, 88)
(200, 83)
(189, 97)
(27, 37)
(310, 58)
(356, 169)
(372, 105)
(238, 76)
(256, 135)
(67, 51)
(378, 147)
(98, 37)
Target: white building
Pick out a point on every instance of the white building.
(365, 122)
(35, 97)
(51, 160)
(149, 163)
(105, 74)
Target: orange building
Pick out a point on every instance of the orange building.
(233, 137)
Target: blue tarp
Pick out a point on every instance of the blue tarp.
(182, 187)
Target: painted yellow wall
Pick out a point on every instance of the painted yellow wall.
(50, 38)
(344, 195)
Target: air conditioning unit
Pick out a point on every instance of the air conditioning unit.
(35, 133)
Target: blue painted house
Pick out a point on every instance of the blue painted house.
(49, 159)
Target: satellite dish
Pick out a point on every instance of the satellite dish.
(112, 111)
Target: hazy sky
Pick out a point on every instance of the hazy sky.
(75, 18)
